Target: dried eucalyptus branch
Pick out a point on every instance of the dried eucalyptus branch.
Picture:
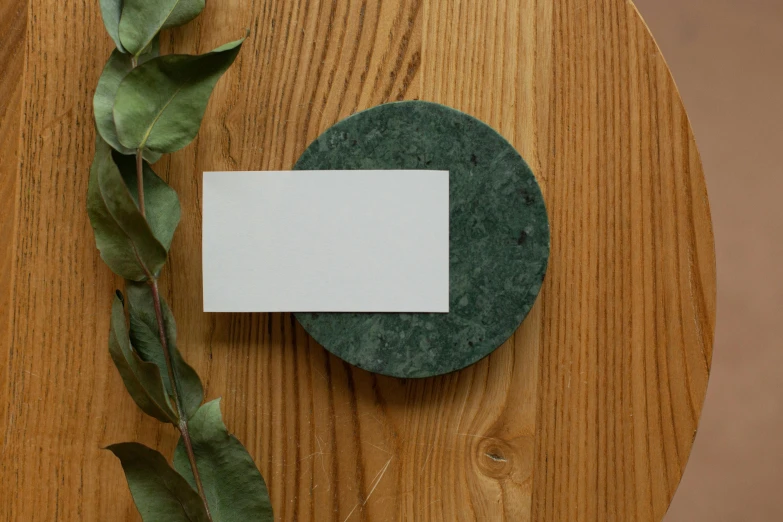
(147, 105)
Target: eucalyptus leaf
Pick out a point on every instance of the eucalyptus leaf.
(111, 10)
(145, 336)
(184, 12)
(159, 492)
(124, 239)
(142, 20)
(118, 66)
(234, 487)
(160, 104)
(151, 51)
(160, 200)
(142, 379)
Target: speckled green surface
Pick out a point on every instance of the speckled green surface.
(499, 235)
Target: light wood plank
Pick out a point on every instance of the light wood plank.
(13, 24)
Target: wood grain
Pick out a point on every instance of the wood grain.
(13, 24)
(587, 413)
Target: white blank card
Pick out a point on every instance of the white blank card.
(326, 241)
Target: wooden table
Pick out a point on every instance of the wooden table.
(587, 413)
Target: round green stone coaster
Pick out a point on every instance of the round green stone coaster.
(499, 235)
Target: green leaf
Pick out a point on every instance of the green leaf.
(142, 20)
(118, 66)
(111, 10)
(160, 104)
(184, 12)
(125, 240)
(234, 487)
(159, 492)
(142, 379)
(145, 336)
(160, 200)
(116, 69)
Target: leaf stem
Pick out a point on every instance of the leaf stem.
(182, 424)
(183, 421)
(140, 179)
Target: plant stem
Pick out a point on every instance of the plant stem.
(182, 425)
(183, 422)
(140, 179)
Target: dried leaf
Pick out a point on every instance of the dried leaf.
(142, 20)
(160, 493)
(160, 200)
(235, 489)
(160, 105)
(111, 10)
(142, 379)
(125, 240)
(116, 69)
(146, 339)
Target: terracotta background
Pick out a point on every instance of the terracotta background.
(727, 59)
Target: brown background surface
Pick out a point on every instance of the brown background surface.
(726, 56)
(587, 413)
(727, 59)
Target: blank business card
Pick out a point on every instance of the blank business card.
(326, 241)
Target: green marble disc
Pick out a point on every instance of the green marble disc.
(499, 235)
